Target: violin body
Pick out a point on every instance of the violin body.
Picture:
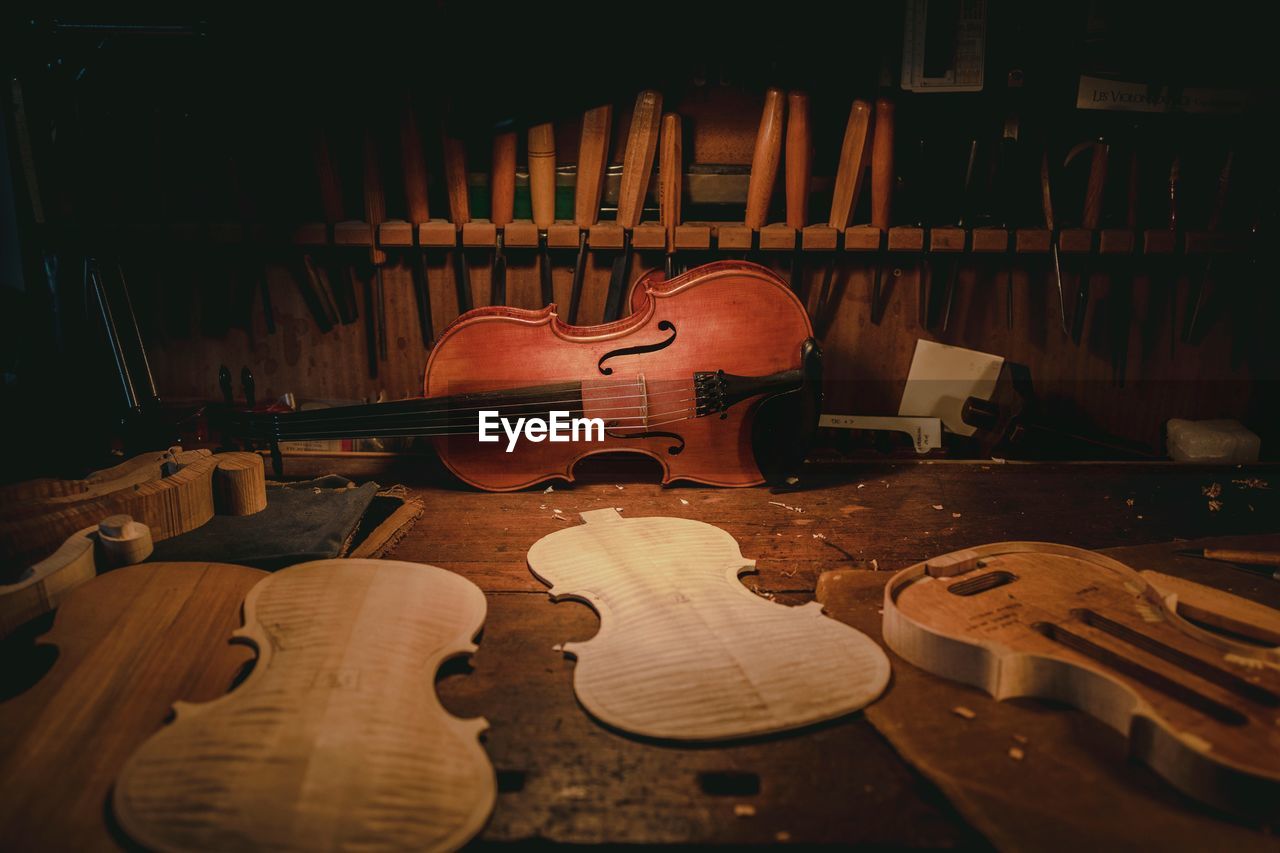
(637, 374)
(1055, 622)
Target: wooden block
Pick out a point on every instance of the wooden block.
(946, 239)
(1032, 240)
(649, 235)
(563, 235)
(1115, 241)
(778, 237)
(352, 233)
(819, 238)
(637, 673)
(862, 238)
(1212, 243)
(1159, 241)
(521, 234)
(480, 233)
(437, 232)
(395, 232)
(691, 236)
(733, 238)
(906, 239)
(1075, 241)
(310, 234)
(605, 235)
(990, 240)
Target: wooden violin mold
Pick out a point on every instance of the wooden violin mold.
(1055, 622)
(685, 651)
(336, 740)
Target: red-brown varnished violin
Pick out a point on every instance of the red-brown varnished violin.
(715, 374)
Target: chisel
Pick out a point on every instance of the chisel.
(799, 177)
(333, 279)
(1196, 294)
(637, 168)
(542, 195)
(593, 158)
(1090, 220)
(1120, 297)
(764, 165)
(1165, 292)
(455, 178)
(844, 198)
(670, 183)
(375, 212)
(962, 221)
(414, 169)
(1046, 203)
(881, 195)
(502, 209)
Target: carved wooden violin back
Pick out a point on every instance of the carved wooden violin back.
(685, 651)
(1051, 621)
(336, 740)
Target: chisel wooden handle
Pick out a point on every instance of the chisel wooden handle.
(1248, 558)
(1219, 206)
(882, 165)
(503, 182)
(455, 180)
(1096, 186)
(593, 158)
(764, 159)
(799, 159)
(327, 176)
(853, 165)
(375, 203)
(670, 176)
(542, 174)
(637, 163)
(1046, 191)
(413, 164)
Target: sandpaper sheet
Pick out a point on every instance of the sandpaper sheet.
(1074, 787)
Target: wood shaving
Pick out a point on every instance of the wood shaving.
(962, 711)
(1252, 483)
(1016, 753)
(1214, 506)
(819, 536)
(619, 488)
(862, 485)
(955, 515)
(1212, 490)
(744, 810)
(683, 501)
(1022, 739)
(1128, 501)
(782, 836)
(786, 506)
(548, 490)
(572, 792)
(937, 506)
(791, 481)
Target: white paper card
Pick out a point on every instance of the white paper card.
(942, 377)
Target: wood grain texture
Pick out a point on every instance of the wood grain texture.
(765, 159)
(503, 179)
(542, 174)
(337, 739)
(413, 165)
(685, 652)
(1062, 623)
(853, 165)
(454, 157)
(129, 644)
(671, 176)
(637, 163)
(882, 174)
(593, 159)
(799, 152)
(375, 201)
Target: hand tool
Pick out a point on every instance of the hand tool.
(844, 198)
(799, 177)
(333, 278)
(764, 164)
(1090, 220)
(882, 176)
(375, 212)
(670, 183)
(593, 158)
(455, 178)
(1166, 291)
(962, 221)
(1120, 293)
(1196, 294)
(502, 209)
(542, 194)
(1046, 202)
(925, 433)
(637, 168)
(414, 170)
(1240, 559)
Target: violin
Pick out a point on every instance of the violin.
(715, 374)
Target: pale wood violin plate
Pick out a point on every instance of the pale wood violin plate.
(337, 739)
(685, 651)
(1033, 619)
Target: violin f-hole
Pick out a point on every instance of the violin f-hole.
(664, 326)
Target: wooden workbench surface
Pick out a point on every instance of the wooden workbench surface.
(566, 778)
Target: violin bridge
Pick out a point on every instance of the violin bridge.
(644, 400)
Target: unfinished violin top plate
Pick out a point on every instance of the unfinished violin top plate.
(685, 651)
(1061, 623)
(337, 739)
